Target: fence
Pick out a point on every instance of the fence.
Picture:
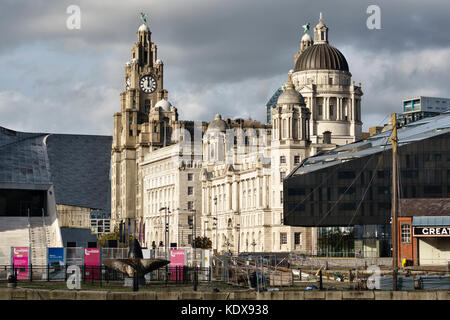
(103, 275)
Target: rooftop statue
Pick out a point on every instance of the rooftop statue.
(305, 27)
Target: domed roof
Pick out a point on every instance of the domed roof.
(218, 124)
(143, 28)
(306, 37)
(290, 95)
(164, 105)
(321, 56)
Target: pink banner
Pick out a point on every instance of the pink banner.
(177, 262)
(21, 261)
(92, 263)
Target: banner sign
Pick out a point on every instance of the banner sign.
(21, 261)
(177, 262)
(55, 262)
(92, 263)
(432, 231)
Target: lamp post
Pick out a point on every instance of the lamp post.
(238, 227)
(253, 244)
(217, 222)
(166, 225)
(193, 247)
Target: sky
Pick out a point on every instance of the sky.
(225, 57)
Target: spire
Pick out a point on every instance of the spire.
(321, 31)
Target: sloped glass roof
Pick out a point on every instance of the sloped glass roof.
(413, 132)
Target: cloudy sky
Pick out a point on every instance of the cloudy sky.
(223, 57)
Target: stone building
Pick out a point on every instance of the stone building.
(224, 179)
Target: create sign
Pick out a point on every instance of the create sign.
(432, 231)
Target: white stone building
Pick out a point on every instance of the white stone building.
(232, 180)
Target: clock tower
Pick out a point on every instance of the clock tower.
(145, 123)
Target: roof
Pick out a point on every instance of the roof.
(78, 166)
(412, 132)
(416, 207)
(290, 95)
(321, 56)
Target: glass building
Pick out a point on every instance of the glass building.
(271, 104)
(346, 192)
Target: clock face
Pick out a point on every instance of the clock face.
(148, 84)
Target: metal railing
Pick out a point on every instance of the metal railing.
(103, 275)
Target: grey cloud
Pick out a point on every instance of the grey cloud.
(225, 56)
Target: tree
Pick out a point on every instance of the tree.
(115, 235)
(203, 243)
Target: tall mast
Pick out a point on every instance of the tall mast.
(394, 141)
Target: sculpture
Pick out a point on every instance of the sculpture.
(144, 18)
(135, 266)
(305, 27)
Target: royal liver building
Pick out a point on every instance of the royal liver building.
(224, 179)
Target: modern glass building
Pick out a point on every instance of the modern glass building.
(271, 104)
(422, 107)
(346, 193)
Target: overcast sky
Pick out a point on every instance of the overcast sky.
(224, 57)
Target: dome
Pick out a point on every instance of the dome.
(143, 28)
(218, 124)
(306, 37)
(290, 95)
(321, 56)
(164, 105)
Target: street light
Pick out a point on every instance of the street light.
(166, 220)
(238, 227)
(253, 244)
(166, 209)
(217, 224)
(193, 246)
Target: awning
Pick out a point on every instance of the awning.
(431, 221)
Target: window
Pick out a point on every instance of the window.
(190, 205)
(296, 191)
(282, 159)
(320, 109)
(331, 110)
(406, 233)
(296, 159)
(283, 238)
(190, 177)
(384, 190)
(346, 175)
(330, 81)
(190, 191)
(282, 175)
(147, 105)
(281, 196)
(297, 238)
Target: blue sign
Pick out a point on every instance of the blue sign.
(56, 263)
